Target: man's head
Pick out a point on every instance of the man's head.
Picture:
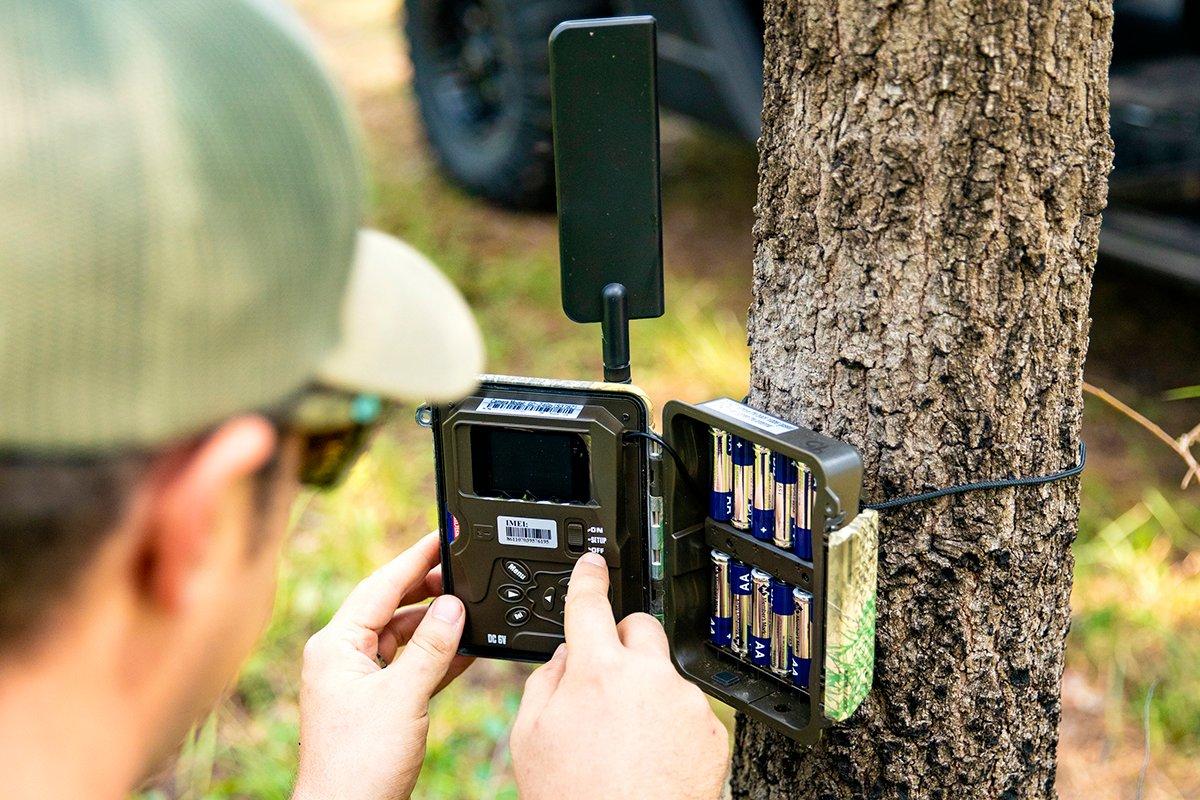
(191, 320)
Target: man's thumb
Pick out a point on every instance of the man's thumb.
(427, 656)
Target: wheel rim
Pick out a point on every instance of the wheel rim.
(470, 64)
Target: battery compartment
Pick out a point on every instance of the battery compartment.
(778, 563)
(691, 535)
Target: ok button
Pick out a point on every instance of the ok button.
(517, 616)
(517, 570)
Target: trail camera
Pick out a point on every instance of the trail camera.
(741, 531)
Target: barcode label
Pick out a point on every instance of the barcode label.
(527, 532)
(529, 408)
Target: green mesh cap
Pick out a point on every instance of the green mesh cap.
(180, 192)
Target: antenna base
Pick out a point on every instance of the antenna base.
(614, 331)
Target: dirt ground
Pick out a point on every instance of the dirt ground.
(1144, 334)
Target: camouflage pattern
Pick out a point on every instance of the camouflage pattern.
(850, 615)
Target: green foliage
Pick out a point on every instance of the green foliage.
(1183, 393)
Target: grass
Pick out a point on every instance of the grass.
(1136, 604)
(1137, 594)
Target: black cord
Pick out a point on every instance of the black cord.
(693, 484)
(981, 486)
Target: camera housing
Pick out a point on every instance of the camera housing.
(531, 475)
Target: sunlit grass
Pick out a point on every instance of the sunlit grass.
(1136, 607)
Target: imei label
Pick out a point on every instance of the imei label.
(529, 408)
(527, 531)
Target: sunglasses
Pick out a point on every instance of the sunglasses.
(334, 427)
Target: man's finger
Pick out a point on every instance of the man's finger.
(643, 632)
(457, 667)
(373, 601)
(430, 586)
(589, 623)
(425, 660)
(404, 622)
(540, 686)
(399, 630)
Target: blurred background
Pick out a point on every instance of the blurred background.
(466, 126)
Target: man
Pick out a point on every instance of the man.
(179, 200)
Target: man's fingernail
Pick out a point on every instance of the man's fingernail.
(560, 652)
(595, 559)
(446, 608)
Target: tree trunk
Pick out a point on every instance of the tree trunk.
(931, 183)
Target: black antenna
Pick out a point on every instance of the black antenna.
(604, 90)
(614, 333)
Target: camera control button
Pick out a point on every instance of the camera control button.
(548, 598)
(517, 616)
(510, 594)
(517, 570)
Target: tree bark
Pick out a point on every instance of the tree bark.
(931, 182)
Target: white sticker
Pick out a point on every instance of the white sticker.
(527, 532)
(529, 408)
(750, 416)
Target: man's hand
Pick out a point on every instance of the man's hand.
(362, 725)
(609, 716)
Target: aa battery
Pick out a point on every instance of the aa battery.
(760, 618)
(800, 641)
(742, 456)
(720, 499)
(785, 500)
(805, 498)
(720, 620)
(739, 588)
(762, 508)
(782, 606)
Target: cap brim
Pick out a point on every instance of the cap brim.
(407, 334)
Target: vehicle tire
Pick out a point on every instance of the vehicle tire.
(482, 81)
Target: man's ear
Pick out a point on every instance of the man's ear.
(189, 501)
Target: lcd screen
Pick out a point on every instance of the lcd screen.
(514, 464)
